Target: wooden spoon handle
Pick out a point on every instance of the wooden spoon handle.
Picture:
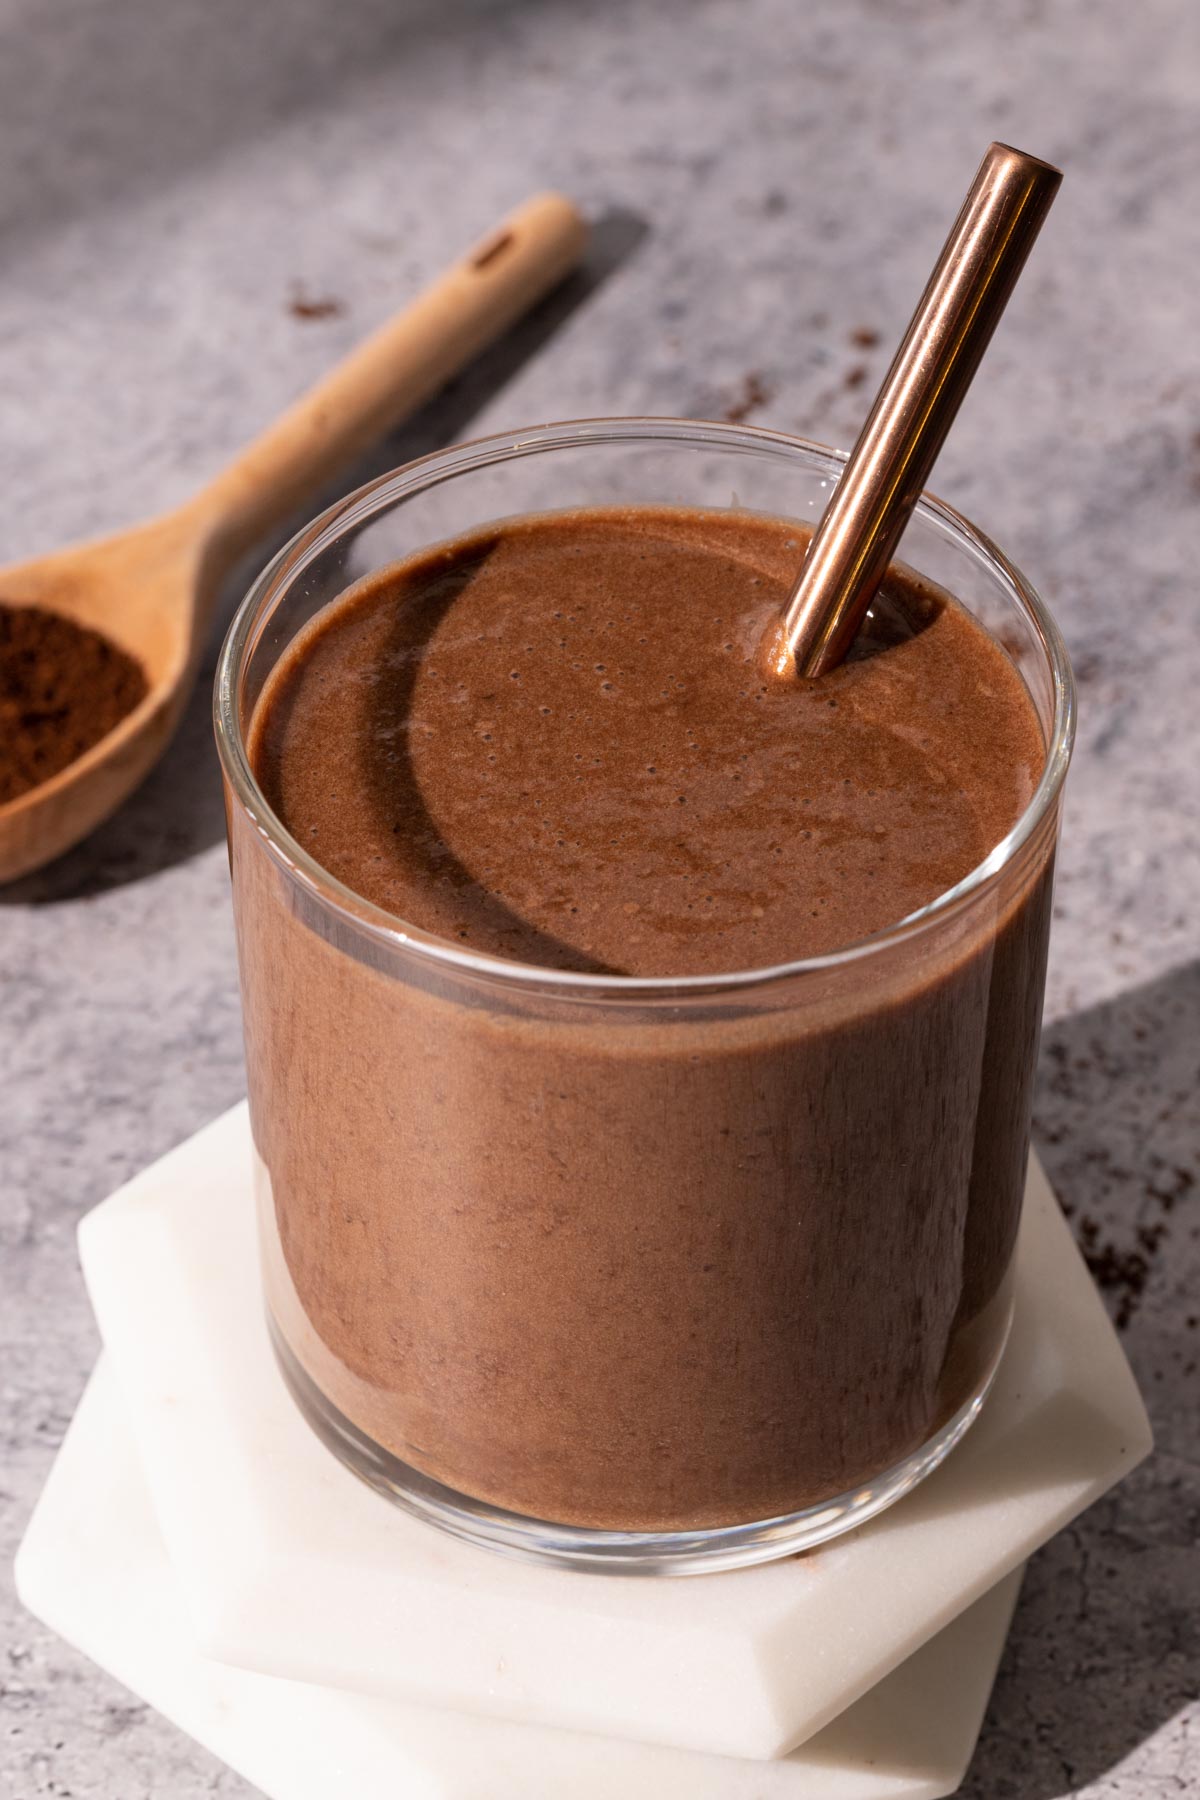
(394, 371)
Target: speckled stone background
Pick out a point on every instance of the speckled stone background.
(772, 179)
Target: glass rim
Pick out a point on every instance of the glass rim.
(378, 495)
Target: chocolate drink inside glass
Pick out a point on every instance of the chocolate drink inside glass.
(599, 1255)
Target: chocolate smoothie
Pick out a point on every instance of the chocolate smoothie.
(682, 1261)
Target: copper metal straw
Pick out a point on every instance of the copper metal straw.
(906, 427)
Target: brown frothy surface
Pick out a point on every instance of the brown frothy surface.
(551, 743)
(62, 688)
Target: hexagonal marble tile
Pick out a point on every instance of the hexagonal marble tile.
(286, 1564)
(93, 1566)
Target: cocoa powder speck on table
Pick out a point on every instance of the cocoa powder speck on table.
(62, 688)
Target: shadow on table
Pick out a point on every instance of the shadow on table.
(1105, 1648)
(178, 812)
(102, 106)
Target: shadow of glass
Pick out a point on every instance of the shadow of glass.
(1105, 1648)
(416, 858)
(389, 782)
(178, 812)
(1065, 1444)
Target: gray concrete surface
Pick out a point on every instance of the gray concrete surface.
(775, 178)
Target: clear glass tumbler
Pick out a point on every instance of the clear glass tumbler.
(641, 1275)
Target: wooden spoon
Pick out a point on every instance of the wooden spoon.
(151, 589)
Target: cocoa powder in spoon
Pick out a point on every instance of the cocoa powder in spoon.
(63, 687)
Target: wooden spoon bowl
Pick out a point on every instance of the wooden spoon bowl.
(151, 590)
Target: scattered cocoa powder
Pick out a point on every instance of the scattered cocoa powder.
(755, 393)
(62, 688)
(302, 307)
(1121, 1272)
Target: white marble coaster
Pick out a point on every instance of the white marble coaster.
(289, 1565)
(93, 1566)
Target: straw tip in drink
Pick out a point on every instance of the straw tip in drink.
(775, 658)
